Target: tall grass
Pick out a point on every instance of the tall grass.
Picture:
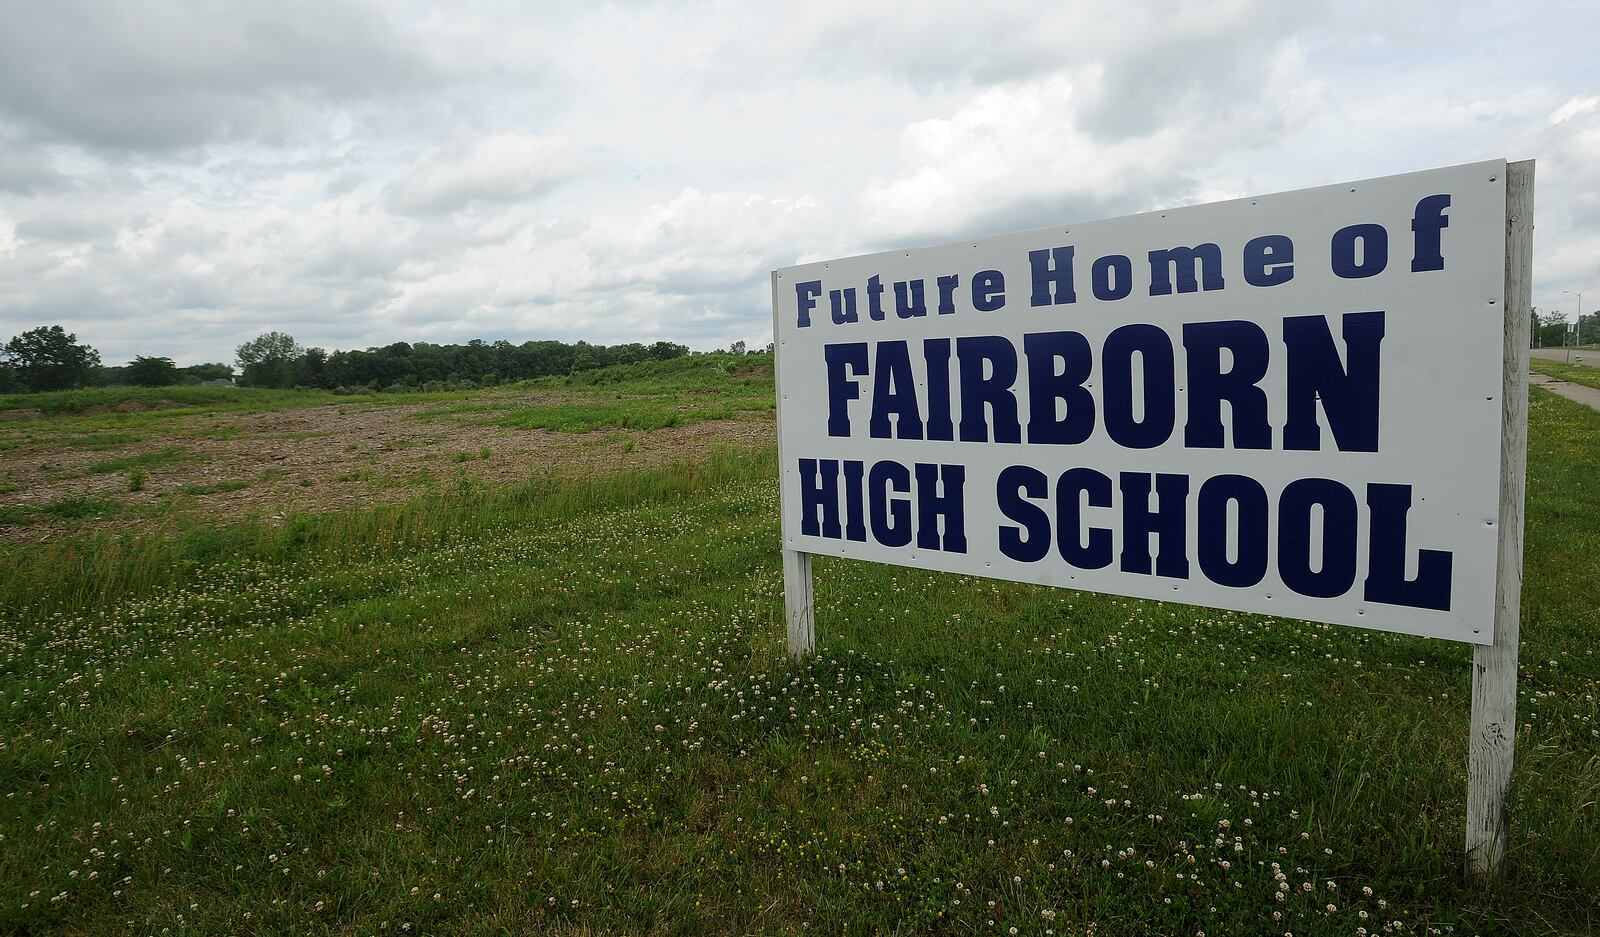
(100, 568)
(565, 708)
(145, 398)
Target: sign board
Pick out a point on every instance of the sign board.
(1289, 404)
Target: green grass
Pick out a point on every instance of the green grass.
(1575, 373)
(627, 414)
(211, 488)
(101, 441)
(113, 417)
(650, 396)
(565, 707)
(144, 460)
(662, 393)
(135, 399)
(68, 508)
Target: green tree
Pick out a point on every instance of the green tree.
(210, 371)
(268, 360)
(152, 372)
(310, 369)
(50, 358)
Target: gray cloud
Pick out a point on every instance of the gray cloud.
(61, 226)
(27, 171)
(497, 169)
(151, 76)
(178, 177)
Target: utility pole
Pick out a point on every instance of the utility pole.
(1578, 324)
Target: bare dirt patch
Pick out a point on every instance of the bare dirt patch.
(312, 459)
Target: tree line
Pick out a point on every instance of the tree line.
(1553, 330)
(51, 358)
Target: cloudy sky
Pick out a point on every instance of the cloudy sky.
(176, 178)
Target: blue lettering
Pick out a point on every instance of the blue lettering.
(993, 390)
(1209, 385)
(805, 296)
(1349, 395)
(1250, 564)
(894, 393)
(1269, 260)
(1339, 519)
(855, 527)
(1155, 355)
(1072, 488)
(1018, 483)
(819, 491)
(947, 294)
(988, 290)
(1374, 251)
(875, 297)
(1208, 257)
(1386, 556)
(1046, 386)
(1168, 523)
(936, 354)
(914, 307)
(1427, 222)
(1052, 276)
(840, 360)
(891, 517)
(950, 505)
(1111, 277)
(844, 305)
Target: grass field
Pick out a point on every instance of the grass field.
(176, 458)
(562, 705)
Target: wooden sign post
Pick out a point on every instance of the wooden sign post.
(798, 615)
(1494, 666)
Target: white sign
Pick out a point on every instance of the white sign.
(1288, 404)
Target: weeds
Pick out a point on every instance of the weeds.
(564, 706)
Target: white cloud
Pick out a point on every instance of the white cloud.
(175, 179)
(1029, 154)
(505, 167)
(1582, 104)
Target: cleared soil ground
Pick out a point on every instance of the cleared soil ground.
(60, 473)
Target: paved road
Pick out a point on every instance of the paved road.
(1591, 359)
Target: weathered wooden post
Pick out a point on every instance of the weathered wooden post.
(1494, 666)
(797, 598)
